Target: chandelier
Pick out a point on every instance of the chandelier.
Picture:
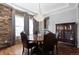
(39, 17)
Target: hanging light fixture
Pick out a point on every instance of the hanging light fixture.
(39, 17)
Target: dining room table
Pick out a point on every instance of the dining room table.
(38, 39)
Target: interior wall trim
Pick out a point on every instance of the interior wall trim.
(60, 11)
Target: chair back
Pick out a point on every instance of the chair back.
(50, 40)
(24, 39)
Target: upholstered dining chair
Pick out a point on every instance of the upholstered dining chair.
(50, 43)
(25, 42)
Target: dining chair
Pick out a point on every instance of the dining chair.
(26, 44)
(50, 43)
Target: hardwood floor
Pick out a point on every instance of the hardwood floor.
(17, 50)
(13, 50)
(67, 50)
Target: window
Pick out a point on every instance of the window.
(30, 26)
(30, 29)
(19, 24)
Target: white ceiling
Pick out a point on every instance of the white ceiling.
(33, 8)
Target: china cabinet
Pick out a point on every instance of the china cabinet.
(67, 33)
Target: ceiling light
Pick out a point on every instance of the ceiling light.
(39, 17)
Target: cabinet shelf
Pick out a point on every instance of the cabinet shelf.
(67, 33)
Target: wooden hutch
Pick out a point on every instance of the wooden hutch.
(67, 33)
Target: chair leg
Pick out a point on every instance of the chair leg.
(31, 50)
(23, 51)
(28, 51)
(56, 49)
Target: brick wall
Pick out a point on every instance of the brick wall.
(5, 25)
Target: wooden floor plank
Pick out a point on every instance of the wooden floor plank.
(17, 50)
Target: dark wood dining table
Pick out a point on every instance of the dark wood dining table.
(39, 39)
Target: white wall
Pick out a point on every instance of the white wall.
(71, 15)
(77, 21)
(63, 17)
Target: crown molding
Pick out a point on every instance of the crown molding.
(55, 10)
(20, 8)
(49, 13)
(59, 11)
